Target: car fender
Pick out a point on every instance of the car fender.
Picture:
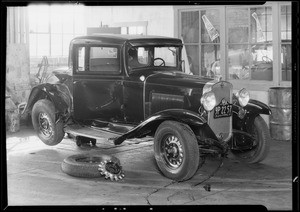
(149, 126)
(56, 93)
(251, 111)
(257, 107)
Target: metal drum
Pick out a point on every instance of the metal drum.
(280, 102)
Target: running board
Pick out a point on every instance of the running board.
(90, 132)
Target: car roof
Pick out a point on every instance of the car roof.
(132, 39)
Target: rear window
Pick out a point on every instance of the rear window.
(104, 60)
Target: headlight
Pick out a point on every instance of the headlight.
(243, 96)
(208, 100)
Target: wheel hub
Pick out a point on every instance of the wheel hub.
(111, 170)
(45, 124)
(173, 151)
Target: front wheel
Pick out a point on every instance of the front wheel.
(43, 121)
(176, 150)
(261, 145)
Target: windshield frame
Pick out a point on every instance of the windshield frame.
(177, 67)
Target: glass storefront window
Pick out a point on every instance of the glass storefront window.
(250, 57)
(202, 44)
(193, 57)
(261, 25)
(210, 61)
(238, 25)
(286, 45)
(190, 26)
(210, 26)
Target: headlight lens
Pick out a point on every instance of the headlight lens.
(208, 100)
(243, 96)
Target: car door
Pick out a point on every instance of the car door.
(97, 80)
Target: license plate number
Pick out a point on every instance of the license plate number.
(224, 109)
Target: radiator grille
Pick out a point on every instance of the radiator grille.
(222, 127)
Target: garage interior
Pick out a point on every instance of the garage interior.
(231, 41)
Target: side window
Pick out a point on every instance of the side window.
(81, 59)
(104, 60)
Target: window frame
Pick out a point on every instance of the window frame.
(87, 70)
(200, 44)
(281, 82)
(62, 34)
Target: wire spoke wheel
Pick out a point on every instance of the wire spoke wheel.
(172, 151)
(45, 124)
(176, 150)
(48, 129)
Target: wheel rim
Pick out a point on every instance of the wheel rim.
(45, 124)
(172, 151)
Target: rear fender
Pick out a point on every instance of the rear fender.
(56, 93)
(149, 126)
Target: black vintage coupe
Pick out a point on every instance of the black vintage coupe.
(136, 86)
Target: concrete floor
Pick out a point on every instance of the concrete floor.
(34, 177)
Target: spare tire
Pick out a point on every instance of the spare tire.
(85, 165)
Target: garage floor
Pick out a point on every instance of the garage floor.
(35, 178)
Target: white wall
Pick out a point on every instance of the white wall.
(160, 18)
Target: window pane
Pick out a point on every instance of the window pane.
(67, 20)
(286, 26)
(56, 19)
(238, 26)
(38, 18)
(32, 44)
(56, 45)
(210, 60)
(104, 60)
(143, 55)
(190, 27)
(81, 59)
(261, 24)
(66, 43)
(167, 54)
(79, 20)
(255, 63)
(238, 62)
(286, 62)
(193, 57)
(262, 62)
(43, 44)
(210, 26)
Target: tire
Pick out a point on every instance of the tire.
(170, 140)
(85, 165)
(43, 121)
(261, 131)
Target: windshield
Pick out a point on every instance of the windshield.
(153, 56)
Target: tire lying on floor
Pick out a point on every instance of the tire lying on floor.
(85, 165)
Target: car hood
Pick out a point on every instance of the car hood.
(176, 78)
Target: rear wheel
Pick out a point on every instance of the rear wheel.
(261, 145)
(43, 121)
(176, 150)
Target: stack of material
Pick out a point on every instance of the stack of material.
(12, 118)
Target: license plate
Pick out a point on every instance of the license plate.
(224, 109)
